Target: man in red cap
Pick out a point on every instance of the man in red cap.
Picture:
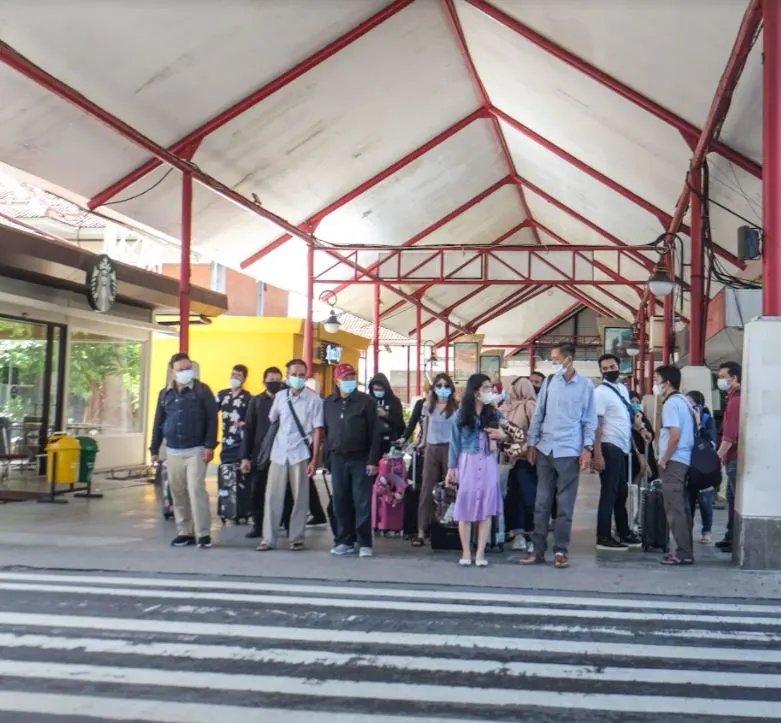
(353, 452)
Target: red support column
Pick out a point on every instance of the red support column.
(532, 357)
(651, 354)
(641, 342)
(697, 296)
(376, 329)
(409, 376)
(771, 188)
(309, 341)
(184, 265)
(668, 319)
(418, 345)
(446, 348)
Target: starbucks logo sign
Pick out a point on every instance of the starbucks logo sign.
(102, 283)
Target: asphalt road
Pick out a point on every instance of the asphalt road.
(78, 648)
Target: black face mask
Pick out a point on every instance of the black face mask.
(611, 377)
(273, 387)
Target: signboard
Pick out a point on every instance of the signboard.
(101, 283)
(617, 339)
(491, 366)
(331, 353)
(465, 361)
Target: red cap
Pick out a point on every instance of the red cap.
(344, 370)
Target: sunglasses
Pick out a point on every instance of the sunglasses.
(443, 386)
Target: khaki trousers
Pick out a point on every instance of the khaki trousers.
(278, 477)
(192, 509)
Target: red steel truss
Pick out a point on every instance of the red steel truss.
(226, 116)
(565, 315)
(686, 129)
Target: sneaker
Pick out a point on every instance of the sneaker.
(342, 550)
(725, 543)
(519, 544)
(530, 547)
(366, 552)
(632, 541)
(316, 522)
(706, 538)
(612, 545)
(204, 542)
(182, 541)
(254, 534)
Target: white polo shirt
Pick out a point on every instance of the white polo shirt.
(616, 422)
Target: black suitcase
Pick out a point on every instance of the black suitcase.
(654, 532)
(444, 536)
(234, 494)
(412, 495)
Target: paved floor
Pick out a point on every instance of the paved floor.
(76, 648)
(125, 532)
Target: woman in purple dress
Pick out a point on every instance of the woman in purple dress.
(473, 466)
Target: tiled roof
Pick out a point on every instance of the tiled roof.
(360, 327)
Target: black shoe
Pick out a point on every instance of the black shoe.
(724, 544)
(610, 544)
(205, 541)
(726, 548)
(254, 533)
(182, 541)
(316, 521)
(632, 541)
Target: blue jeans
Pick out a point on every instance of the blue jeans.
(705, 498)
(352, 491)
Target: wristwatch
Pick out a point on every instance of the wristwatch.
(590, 450)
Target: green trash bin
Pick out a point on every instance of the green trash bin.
(89, 453)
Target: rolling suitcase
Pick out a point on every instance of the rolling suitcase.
(234, 495)
(388, 495)
(444, 529)
(412, 494)
(654, 532)
(165, 488)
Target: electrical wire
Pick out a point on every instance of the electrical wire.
(141, 193)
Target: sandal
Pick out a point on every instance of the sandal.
(418, 542)
(674, 561)
(264, 547)
(297, 546)
(561, 560)
(533, 559)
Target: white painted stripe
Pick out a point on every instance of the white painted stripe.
(278, 656)
(423, 641)
(163, 711)
(347, 604)
(514, 598)
(373, 691)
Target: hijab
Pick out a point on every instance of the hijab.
(521, 403)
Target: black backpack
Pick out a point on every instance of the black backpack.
(705, 465)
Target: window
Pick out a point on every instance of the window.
(105, 389)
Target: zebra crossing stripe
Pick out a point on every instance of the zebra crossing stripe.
(389, 691)
(394, 663)
(396, 593)
(423, 641)
(400, 605)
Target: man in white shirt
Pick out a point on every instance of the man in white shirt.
(612, 448)
(299, 412)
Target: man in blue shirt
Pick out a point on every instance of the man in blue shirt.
(676, 443)
(561, 442)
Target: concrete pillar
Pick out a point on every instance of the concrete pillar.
(698, 378)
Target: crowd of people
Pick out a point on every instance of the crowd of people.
(540, 434)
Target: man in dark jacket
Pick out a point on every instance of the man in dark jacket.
(186, 418)
(353, 451)
(389, 411)
(256, 426)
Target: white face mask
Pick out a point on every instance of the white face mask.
(723, 384)
(558, 369)
(658, 390)
(185, 376)
(235, 383)
(487, 397)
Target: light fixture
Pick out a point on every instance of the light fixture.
(433, 359)
(332, 324)
(633, 348)
(659, 282)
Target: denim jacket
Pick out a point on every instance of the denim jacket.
(186, 419)
(465, 439)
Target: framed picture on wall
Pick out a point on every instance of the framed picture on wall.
(617, 339)
(491, 366)
(465, 361)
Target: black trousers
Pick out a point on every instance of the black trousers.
(613, 494)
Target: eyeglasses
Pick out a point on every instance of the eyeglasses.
(443, 386)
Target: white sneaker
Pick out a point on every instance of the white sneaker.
(519, 543)
(366, 552)
(465, 562)
(342, 550)
(530, 548)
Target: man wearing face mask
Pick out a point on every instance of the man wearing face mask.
(561, 443)
(186, 418)
(730, 374)
(353, 444)
(296, 448)
(612, 447)
(255, 429)
(233, 404)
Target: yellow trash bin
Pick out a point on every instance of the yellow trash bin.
(63, 458)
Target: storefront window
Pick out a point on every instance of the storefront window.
(104, 386)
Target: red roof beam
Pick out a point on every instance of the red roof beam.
(592, 303)
(686, 129)
(311, 223)
(482, 93)
(450, 309)
(234, 111)
(663, 216)
(455, 213)
(568, 313)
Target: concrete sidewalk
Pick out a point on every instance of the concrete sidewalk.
(125, 532)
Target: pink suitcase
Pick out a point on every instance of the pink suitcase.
(388, 496)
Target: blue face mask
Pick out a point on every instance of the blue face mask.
(348, 386)
(637, 408)
(379, 393)
(296, 382)
(443, 392)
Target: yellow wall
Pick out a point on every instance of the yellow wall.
(255, 341)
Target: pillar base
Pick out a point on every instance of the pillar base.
(758, 542)
(698, 379)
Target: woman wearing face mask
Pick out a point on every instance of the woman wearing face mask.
(389, 410)
(233, 404)
(473, 466)
(643, 456)
(437, 414)
(707, 429)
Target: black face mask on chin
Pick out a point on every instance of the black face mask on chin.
(611, 377)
